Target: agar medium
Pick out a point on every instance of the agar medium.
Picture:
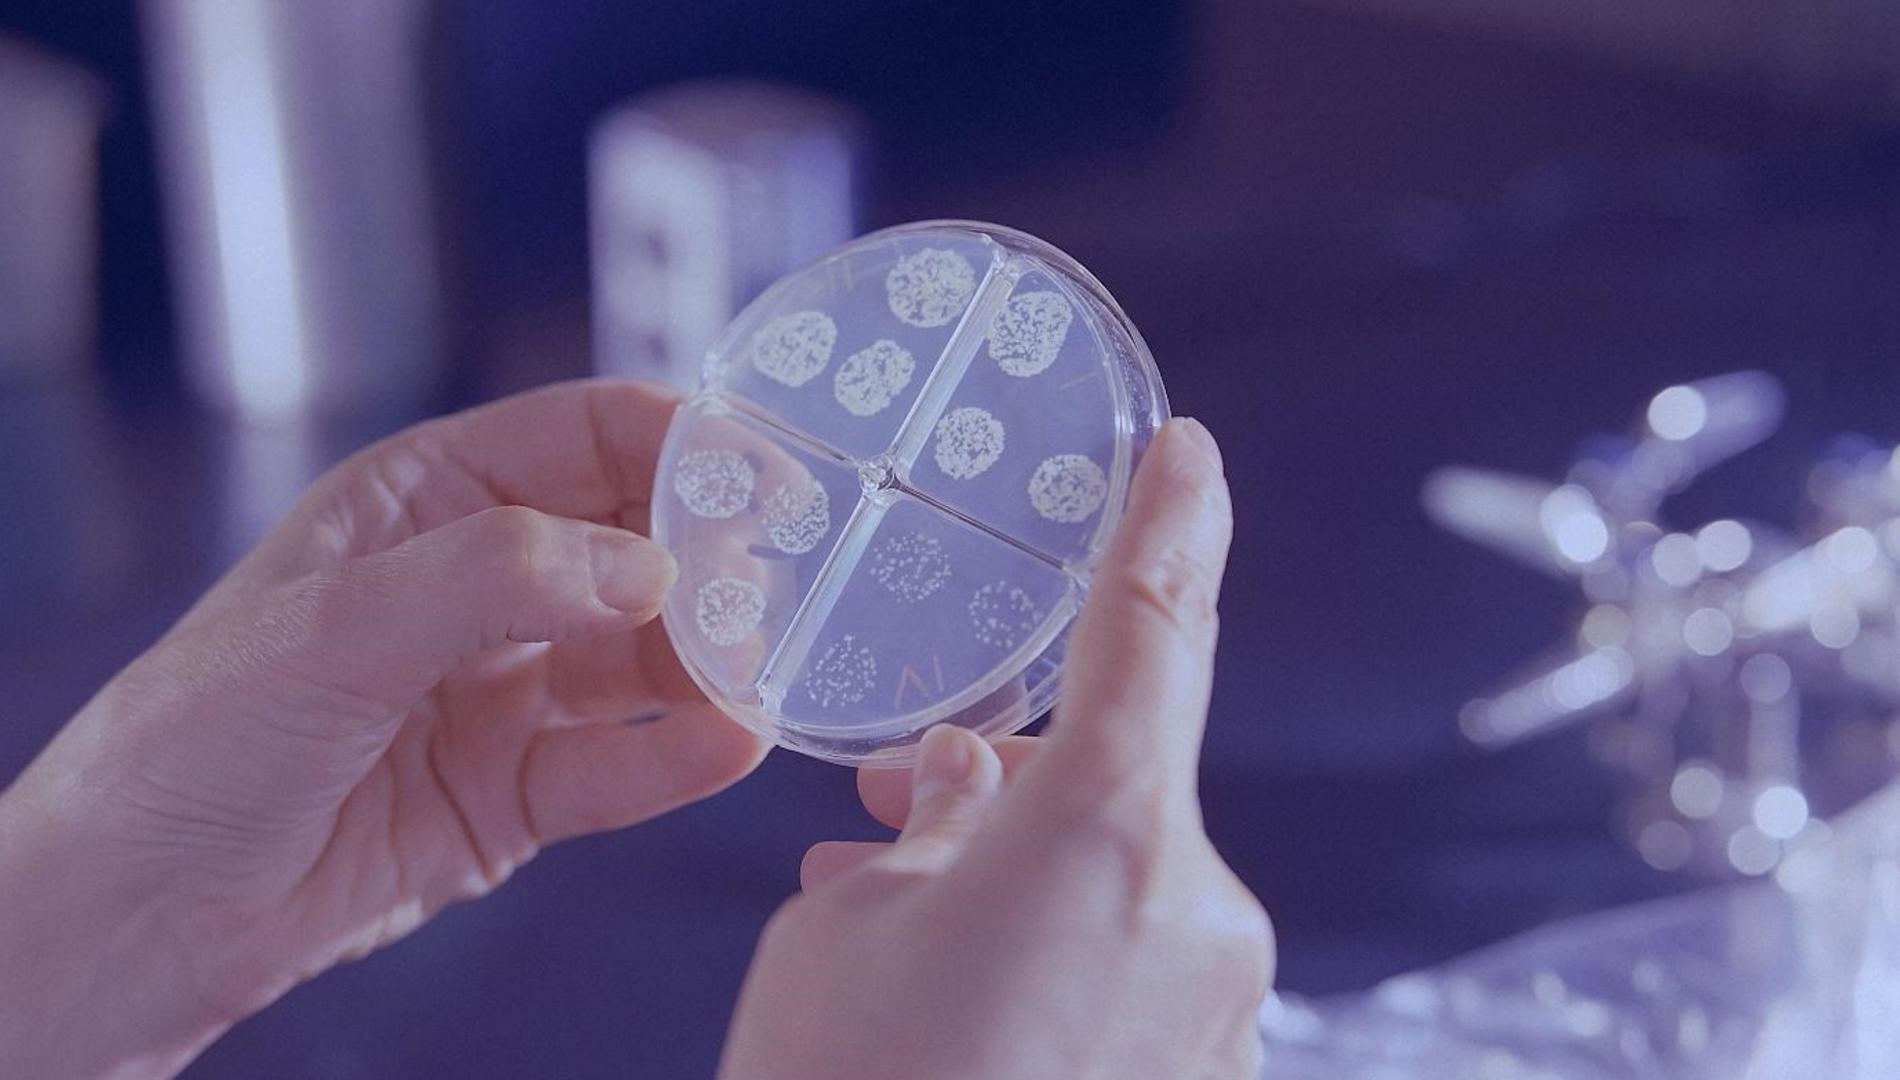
(888, 494)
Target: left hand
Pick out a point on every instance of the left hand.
(441, 661)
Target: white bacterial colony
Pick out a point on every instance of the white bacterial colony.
(929, 287)
(969, 440)
(871, 379)
(797, 516)
(728, 610)
(1003, 615)
(910, 565)
(793, 349)
(1067, 488)
(713, 483)
(843, 674)
(1028, 333)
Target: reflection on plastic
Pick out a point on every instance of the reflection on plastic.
(1798, 976)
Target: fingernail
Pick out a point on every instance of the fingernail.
(631, 573)
(945, 759)
(1203, 439)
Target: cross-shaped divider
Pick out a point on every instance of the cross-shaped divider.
(1109, 358)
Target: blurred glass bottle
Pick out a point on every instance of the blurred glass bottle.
(700, 196)
(49, 244)
(296, 172)
(66, 535)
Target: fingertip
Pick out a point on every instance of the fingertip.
(952, 759)
(1196, 434)
(886, 793)
(1189, 460)
(631, 573)
(956, 773)
(945, 760)
(1179, 499)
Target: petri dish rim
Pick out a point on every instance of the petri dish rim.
(1016, 253)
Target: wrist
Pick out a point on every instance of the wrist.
(98, 981)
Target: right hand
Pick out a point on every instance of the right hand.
(1076, 923)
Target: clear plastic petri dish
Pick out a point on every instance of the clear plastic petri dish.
(889, 493)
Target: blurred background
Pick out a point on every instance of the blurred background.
(1365, 239)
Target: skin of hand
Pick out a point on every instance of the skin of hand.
(443, 659)
(1072, 921)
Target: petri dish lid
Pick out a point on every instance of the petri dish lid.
(889, 492)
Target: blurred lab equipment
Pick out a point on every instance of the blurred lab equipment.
(50, 113)
(1740, 675)
(296, 173)
(700, 196)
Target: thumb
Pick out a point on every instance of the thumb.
(956, 777)
(387, 627)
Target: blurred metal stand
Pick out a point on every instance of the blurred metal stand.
(700, 196)
(293, 144)
(49, 244)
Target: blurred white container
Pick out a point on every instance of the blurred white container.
(700, 196)
(50, 113)
(295, 159)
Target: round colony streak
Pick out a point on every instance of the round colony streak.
(793, 349)
(929, 287)
(714, 483)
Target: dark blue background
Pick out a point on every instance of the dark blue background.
(1359, 249)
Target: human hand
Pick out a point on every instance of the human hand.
(1071, 922)
(441, 661)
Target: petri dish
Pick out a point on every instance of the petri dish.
(890, 489)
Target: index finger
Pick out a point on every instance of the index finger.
(1140, 664)
(578, 449)
(581, 449)
(584, 449)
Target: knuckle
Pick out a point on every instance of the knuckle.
(515, 530)
(1258, 928)
(1235, 975)
(1111, 778)
(816, 864)
(1244, 936)
(1257, 949)
(1127, 832)
(792, 922)
(384, 476)
(519, 542)
(1173, 588)
(871, 886)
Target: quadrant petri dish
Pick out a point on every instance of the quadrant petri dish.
(892, 487)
